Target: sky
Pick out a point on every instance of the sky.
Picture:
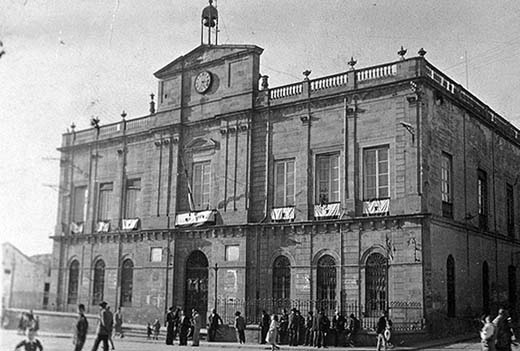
(68, 61)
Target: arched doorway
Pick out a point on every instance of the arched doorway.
(326, 284)
(196, 287)
(376, 284)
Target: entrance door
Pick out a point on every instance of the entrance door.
(196, 287)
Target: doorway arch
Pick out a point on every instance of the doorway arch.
(196, 284)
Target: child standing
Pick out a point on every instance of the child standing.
(240, 326)
(148, 331)
(31, 343)
(156, 329)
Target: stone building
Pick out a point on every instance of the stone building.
(386, 187)
(25, 279)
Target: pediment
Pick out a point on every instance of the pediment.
(202, 144)
(205, 54)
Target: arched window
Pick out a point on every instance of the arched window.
(281, 278)
(326, 283)
(72, 296)
(511, 279)
(450, 285)
(376, 284)
(127, 281)
(99, 282)
(485, 287)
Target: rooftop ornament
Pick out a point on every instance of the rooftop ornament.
(352, 63)
(306, 73)
(123, 115)
(402, 52)
(422, 52)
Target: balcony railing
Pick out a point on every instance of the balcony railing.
(376, 207)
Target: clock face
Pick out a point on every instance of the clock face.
(203, 82)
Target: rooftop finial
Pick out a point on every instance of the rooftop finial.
(307, 73)
(421, 52)
(352, 63)
(152, 104)
(123, 115)
(402, 52)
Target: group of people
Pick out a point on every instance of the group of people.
(178, 322)
(497, 334)
(108, 324)
(29, 324)
(293, 329)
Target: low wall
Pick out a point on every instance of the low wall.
(58, 322)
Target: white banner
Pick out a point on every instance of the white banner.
(376, 207)
(76, 228)
(103, 227)
(282, 213)
(130, 224)
(195, 218)
(329, 210)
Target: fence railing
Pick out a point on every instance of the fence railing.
(405, 315)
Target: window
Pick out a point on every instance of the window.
(104, 199)
(326, 283)
(201, 183)
(133, 198)
(281, 278)
(72, 296)
(127, 281)
(156, 254)
(376, 284)
(78, 210)
(510, 208)
(485, 287)
(46, 289)
(377, 175)
(327, 179)
(99, 282)
(450, 286)
(482, 199)
(232, 252)
(284, 183)
(447, 185)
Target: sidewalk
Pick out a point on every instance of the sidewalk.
(237, 346)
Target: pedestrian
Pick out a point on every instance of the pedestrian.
(309, 330)
(284, 327)
(110, 327)
(381, 327)
(102, 328)
(213, 325)
(338, 326)
(272, 333)
(293, 328)
(240, 326)
(265, 322)
(81, 329)
(118, 323)
(301, 329)
(354, 326)
(196, 324)
(30, 343)
(184, 328)
(148, 331)
(170, 324)
(487, 334)
(323, 325)
(156, 328)
(504, 335)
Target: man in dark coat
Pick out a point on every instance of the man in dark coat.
(80, 332)
(105, 321)
(214, 322)
(284, 327)
(323, 325)
(264, 326)
(294, 325)
(309, 330)
(171, 324)
(338, 325)
(504, 331)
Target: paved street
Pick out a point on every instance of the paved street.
(9, 339)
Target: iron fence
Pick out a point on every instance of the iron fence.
(405, 315)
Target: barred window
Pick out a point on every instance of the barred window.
(281, 278)
(376, 284)
(201, 184)
(376, 173)
(326, 278)
(99, 282)
(127, 281)
(327, 178)
(284, 183)
(72, 296)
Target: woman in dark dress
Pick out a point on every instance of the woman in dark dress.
(170, 324)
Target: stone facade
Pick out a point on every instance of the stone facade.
(368, 180)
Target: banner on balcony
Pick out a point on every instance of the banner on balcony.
(103, 227)
(329, 210)
(376, 207)
(282, 213)
(76, 228)
(195, 218)
(130, 224)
